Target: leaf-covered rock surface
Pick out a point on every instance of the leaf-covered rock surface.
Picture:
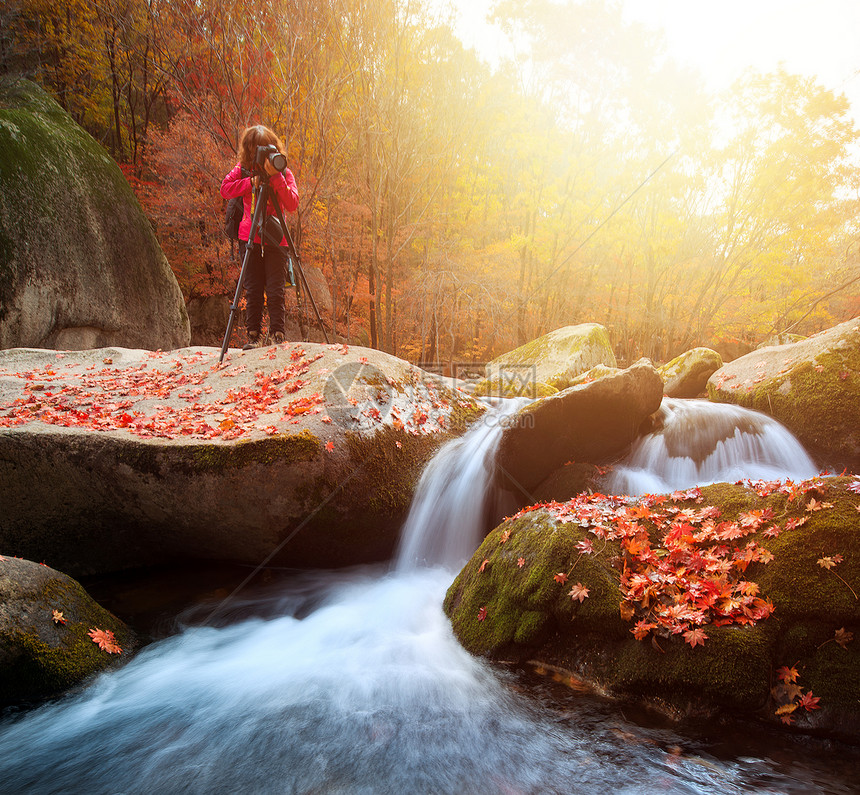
(811, 386)
(52, 634)
(116, 458)
(736, 597)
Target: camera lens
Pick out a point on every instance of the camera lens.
(278, 160)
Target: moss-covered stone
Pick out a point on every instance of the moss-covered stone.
(508, 388)
(80, 265)
(40, 656)
(555, 358)
(812, 387)
(513, 599)
(686, 376)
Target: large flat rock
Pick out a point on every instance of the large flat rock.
(116, 458)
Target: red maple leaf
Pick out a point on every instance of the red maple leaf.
(482, 613)
(642, 628)
(105, 640)
(560, 578)
(695, 636)
(579, 591)
(786, 674)
(808, 701)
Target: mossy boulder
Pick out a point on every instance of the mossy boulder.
(117, 458)
(553, 359)
(509, 388)
(598, 371)
(761, 580)
(80, 266)
(686, 376)
(585, 423)
(43, 652)
(812, 387)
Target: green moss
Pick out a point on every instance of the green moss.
(197, 459)
(523, 602)
(817, 405)
(390, 473)
(51, 658)
(496, 387)
(56, 181)
(463, 415)
(283, 448)
(732, 668)
(833, 673)
(561, 349)
(501, 609)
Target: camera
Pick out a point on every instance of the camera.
(271, 153)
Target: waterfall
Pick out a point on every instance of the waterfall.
(454, 497)
(352, 683)
(697, 442)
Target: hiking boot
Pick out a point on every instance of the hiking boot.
(253, 341)
(279, 338)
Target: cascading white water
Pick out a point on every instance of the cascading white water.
(698, 442)
(348, 683)
(446, 521)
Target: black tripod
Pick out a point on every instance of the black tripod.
(258, 226)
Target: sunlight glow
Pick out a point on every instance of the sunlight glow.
(721, 40)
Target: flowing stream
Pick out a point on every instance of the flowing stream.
(698, 442)
(352, 682)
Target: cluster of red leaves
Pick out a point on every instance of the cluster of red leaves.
(789, 695)
(110, 399)
(694, 574)
(103, 638)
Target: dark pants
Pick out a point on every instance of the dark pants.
(265, 274)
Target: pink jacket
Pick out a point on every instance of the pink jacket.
(284, 185)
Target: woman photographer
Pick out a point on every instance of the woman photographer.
(265, 273)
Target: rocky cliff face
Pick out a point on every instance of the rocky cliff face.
(79, 264)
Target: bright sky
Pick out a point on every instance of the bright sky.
(722, 38)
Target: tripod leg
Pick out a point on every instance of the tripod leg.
(256, 225)
(299, 268)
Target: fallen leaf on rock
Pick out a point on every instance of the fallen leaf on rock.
(57, 617)
(695, 636)
(579, 591)
(809, 702)
(786, 674)
(105, 640)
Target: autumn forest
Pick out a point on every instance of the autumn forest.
(459, 208)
